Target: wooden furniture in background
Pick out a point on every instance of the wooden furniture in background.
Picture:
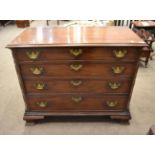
(22, 23)
(87, 71)
(144, 24)
(89, 23)
(146, 30)
(127, 23)
(152, 130)
(5, 22)
(58, 22)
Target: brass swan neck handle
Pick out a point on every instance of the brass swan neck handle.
(76, 82)
(76, 67)
(76, 99)
(76, 52)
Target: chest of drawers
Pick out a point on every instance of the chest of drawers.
(77, 71)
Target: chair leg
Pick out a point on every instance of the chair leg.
(148, 57)
(58, 22)
(151, 58)
(146, 61)
(47, 22)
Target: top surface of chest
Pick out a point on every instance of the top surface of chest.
(77, 36)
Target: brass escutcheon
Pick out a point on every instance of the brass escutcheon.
(120, 53)
(114, 85)
(33, 55)
(40, 86)
(36, 70)
(111, 103)
(42, 104)
(118, 69)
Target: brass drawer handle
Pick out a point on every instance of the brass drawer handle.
(76, 67)
(42, 104)
(40, 86)
(33, 55)
(76, 83)
(36, 70)
(76, 52)
(118, 69)
(76, 99)
(111, 103)
(114, 85)
(120, 53)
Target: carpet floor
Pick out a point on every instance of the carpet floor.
(12, 107)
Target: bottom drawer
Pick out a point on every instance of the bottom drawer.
(78, 103)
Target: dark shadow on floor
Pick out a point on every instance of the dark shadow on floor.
(75, 119)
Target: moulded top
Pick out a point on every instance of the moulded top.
(77, 36)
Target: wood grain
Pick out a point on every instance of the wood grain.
(85, 86)
(93, 67)
(88, 69)
(93, 53)
(88, 103)
(77, 36)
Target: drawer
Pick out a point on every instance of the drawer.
(83, 53)
(78, 69)
(78, 85)
(77, 102)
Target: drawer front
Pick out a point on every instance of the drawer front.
(85, 53)
(77, 103)
(77, 85)
(79, 69)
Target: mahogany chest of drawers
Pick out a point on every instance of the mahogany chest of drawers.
(88, 71)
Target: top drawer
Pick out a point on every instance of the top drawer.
(81, 53)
